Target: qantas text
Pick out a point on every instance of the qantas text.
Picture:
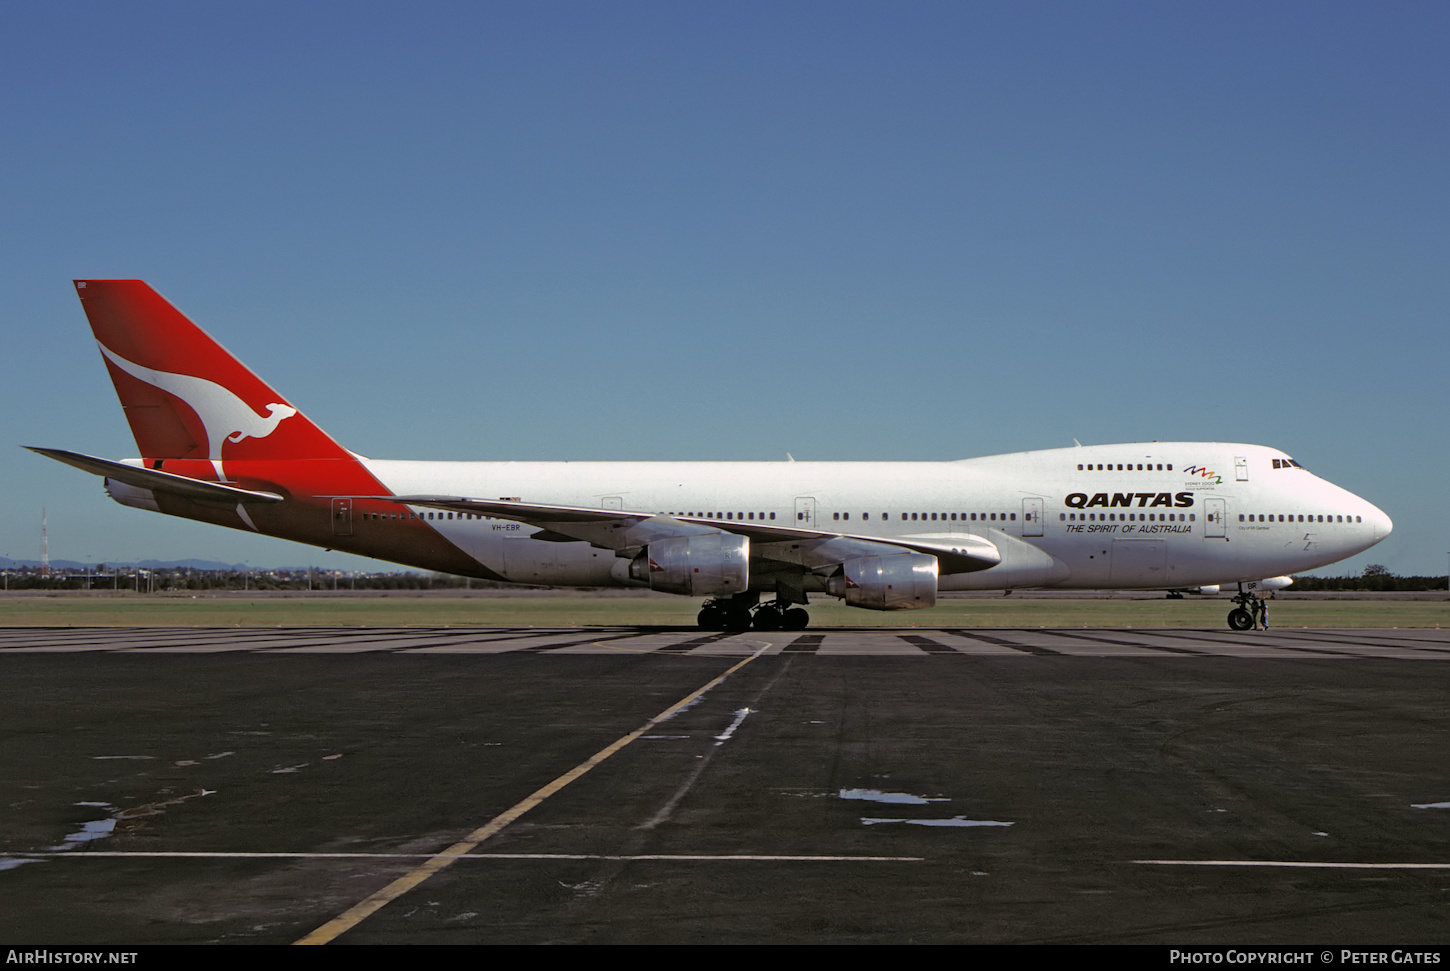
(1081, 500)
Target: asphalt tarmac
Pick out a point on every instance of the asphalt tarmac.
(668, 785)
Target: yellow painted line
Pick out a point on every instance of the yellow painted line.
(362, 911)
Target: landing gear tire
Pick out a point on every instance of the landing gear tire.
(1250, 613)
(735, 615)
(768, 618)
(726, 613)
(737, 620)
(711, 617)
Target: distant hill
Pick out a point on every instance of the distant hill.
(8, 564)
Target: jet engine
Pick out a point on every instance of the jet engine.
(897, 581)
(715, 565)
(129, 495)
(1272, 583)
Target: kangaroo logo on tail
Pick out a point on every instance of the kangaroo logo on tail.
(224, 416)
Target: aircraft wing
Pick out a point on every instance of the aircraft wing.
(157, 480)
(624, 531)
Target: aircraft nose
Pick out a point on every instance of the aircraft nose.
(1382, 524)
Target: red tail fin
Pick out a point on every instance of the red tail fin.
(185, 395)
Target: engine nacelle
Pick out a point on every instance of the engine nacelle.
(898, 581)
(129, 495)
(716, 565)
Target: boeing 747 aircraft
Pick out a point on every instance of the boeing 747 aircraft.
(755, 539)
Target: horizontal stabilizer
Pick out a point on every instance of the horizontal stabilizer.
(157, 480)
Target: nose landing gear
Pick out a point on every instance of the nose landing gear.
(1252, 612)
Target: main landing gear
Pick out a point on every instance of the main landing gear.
(1250, 613)
(734, 614)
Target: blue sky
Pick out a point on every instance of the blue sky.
(686, 231)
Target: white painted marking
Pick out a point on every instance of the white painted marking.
(1299, 864)
(954, 821)
(11, 862)
(639, 857)
(725, 735)
(896, 798)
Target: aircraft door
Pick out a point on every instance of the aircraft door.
(1214, 513)
(342, 517)
(1032, 517)
(805, 512)
(1241, 468)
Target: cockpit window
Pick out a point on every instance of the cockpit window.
(1286, 464)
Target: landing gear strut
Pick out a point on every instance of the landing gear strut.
(734, 614)
(1250, 613)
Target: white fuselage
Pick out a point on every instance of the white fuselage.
(1153, 516)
